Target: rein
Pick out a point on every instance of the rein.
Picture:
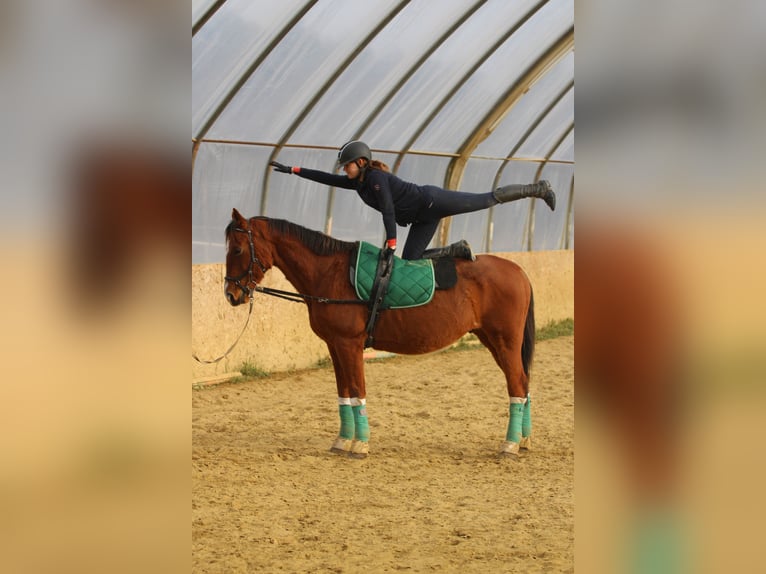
(288, 295)
(210, 361)
(295, 297)
(302, 298)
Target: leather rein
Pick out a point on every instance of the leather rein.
(249, 291)
(289, 295)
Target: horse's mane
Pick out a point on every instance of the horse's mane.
(316, 241)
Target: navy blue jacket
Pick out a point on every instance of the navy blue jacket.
(399, 201)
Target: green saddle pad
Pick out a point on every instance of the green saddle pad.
(412, 282)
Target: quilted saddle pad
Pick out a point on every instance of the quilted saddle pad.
(412, 282)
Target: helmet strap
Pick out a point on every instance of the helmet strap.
(362, 167)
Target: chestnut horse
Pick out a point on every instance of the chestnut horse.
(492, 299)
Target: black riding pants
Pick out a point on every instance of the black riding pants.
(444, 204)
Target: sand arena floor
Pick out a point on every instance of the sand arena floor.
(433, 496)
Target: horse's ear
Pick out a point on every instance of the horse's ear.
(237, 216)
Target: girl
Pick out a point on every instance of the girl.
(405, 203)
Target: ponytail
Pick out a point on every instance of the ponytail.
(377, 164)
(373, 164)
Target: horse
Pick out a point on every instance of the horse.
(492, 299)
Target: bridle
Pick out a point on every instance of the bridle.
(249, 271)
(249, 291)
(245, 288)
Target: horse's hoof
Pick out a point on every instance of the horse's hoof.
(526, 443)
(359, 449)
(510, 449)
(341, 446)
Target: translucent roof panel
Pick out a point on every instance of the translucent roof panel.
(443, 71)
(466, 94)
(502, 69)
(543, 140)
(565, 150)
(549, 226)
(222, 53)
(371, 78)
(297, 68)
(530, 109)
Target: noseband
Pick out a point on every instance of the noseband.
(249, 272)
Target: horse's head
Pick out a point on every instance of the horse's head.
(244, 266)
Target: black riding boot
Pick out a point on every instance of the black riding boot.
(461, 250)
(542, 189)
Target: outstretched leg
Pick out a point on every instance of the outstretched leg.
(541, 189)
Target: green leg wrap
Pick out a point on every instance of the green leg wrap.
(362, 426)
(526, 421)
(514, 424)
(346, 422)
(659, 544)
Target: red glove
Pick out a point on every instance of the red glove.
(391, 244)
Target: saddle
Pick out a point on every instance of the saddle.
(389, 282)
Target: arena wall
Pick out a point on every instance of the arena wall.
(278, 336)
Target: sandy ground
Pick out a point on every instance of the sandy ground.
(268, 496)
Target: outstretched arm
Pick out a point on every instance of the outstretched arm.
(315, 175)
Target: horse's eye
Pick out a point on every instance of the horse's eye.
(237, 251)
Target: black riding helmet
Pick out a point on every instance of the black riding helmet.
(353, 150)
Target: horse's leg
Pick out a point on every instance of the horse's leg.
(507, 355)
(342, 444)
(526, 425)
(354, 435)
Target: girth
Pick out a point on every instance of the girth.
(387, 282)
(378, 292)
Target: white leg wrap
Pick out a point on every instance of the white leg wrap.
(355, 402)
(341, 445)
(360, 449)
(509, 448)
(344, 401)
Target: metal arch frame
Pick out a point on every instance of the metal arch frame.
(416, 66)
(529, 228)
(533, 126)
(212, 9)
(564, 243)
(527, 134)
(459, 84)
(396, 88)
(457, 166)
(242, 80)
(321, 92)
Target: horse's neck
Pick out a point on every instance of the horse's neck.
(297, 264)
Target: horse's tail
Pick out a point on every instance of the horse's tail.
(528, 344)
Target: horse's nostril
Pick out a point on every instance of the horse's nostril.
(231, 299)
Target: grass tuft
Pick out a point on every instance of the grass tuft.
(251, 371)
(554, 329)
